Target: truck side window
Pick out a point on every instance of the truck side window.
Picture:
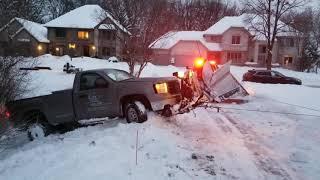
(92, 81)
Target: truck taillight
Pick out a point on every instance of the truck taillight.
(7, 114)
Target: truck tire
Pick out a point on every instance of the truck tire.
(136, 112)
(37, 126)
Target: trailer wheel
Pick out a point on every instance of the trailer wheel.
(135, 112)
(167, 112)
(37, 126)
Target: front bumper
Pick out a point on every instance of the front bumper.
(159, 105)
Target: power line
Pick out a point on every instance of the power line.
(262, 111)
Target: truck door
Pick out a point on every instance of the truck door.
(93, 97)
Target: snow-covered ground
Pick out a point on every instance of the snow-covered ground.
(237, 143)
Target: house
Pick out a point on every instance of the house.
(23, 38)
(86, 31)
(230, 39)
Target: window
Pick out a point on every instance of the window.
(118, 75)
(291, 42)
(83, 35)
(236, 39)
(106, 51)
(92, 81)
(264, 73)
(235, 57)
(60, 33)
(262, 49)
(276, 74)
(106, 35)
(288, 60)
(72, 45)
(113, 51)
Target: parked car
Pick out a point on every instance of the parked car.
(272, 77)
(96, 94)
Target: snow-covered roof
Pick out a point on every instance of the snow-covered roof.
(38, 31)
(242, 22)
(170, 39)
(85, 17)
(224, 24)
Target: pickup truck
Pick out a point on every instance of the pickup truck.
(96, 94)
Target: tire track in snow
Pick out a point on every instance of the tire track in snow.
(263, 157)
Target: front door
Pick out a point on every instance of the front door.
(93, 99)
(86, 51)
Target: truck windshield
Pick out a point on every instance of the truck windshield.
(118, 75)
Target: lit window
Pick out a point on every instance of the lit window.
(288, 60)
(83, 35)
(236, 39)
(72, 46)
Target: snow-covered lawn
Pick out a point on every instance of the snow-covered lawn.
(234, 144)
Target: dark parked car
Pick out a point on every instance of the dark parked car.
(272, 77)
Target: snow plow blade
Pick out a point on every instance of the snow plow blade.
(221, 84)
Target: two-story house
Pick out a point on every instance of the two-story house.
(86, 31)
(230, 39)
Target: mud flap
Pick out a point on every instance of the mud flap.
(221, 84)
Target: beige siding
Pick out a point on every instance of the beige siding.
(242, 48)
(227, 40)
(182, 54)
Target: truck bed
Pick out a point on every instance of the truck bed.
(57, 107)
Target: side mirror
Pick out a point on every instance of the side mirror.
(175, 74)
(179, 75)
(101, 83)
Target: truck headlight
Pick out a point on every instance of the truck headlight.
(161, 88)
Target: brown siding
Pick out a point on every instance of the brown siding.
(22, 44)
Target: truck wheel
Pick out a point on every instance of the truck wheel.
(37, 128)
(136, 112)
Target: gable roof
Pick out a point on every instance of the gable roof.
(38, 31)
(242, 22)
(84, 17)
(224, 24)
(170, 39)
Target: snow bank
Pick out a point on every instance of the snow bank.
(100, 152)
(44, 81)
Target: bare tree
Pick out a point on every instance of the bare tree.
(146, 20)
(27, 9)
(13, 82)
(265, 19)
(201, 14)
